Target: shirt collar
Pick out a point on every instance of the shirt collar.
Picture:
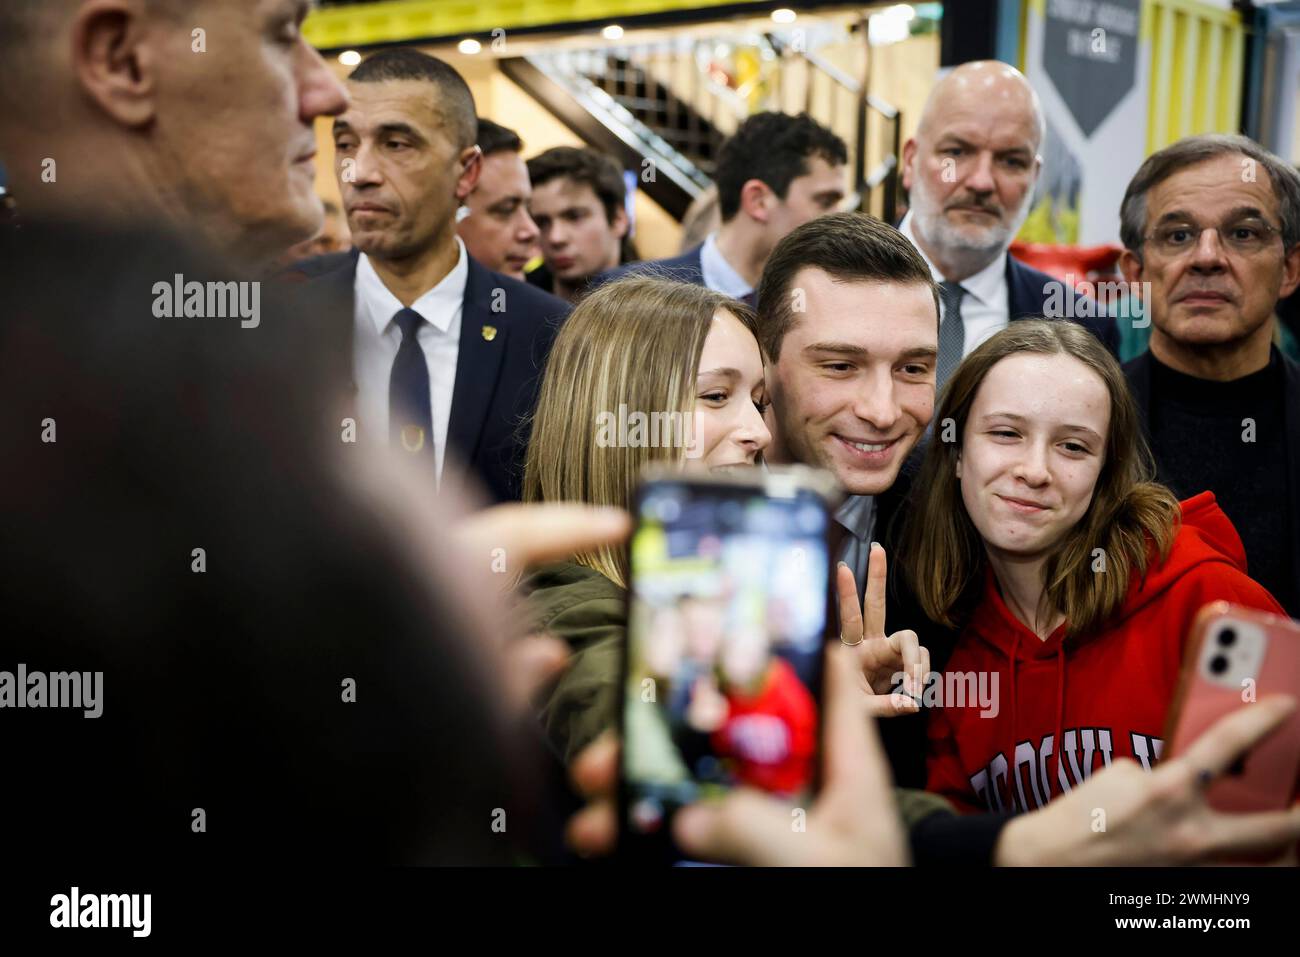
(988, 285)
(855, 514)
(438, 306)
(718, 273)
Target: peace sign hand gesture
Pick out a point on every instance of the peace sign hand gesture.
(880, 657)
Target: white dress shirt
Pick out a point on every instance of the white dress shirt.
(718, 273)
(376, 338)
(985, 308)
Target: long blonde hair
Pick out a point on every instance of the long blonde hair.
(1130, 517)
(635, 342)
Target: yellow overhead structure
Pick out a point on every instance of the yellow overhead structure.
(1196, 70)
(397, 21)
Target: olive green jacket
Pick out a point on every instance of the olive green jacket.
(588, 611)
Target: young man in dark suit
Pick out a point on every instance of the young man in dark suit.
(970, 171)
(446, 355)
(776, 172)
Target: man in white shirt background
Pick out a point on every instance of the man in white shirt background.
(775, 173)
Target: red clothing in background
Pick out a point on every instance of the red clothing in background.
(772, 736)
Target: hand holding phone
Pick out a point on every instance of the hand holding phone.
(729, 579)
(1236, 656)
(751, 829)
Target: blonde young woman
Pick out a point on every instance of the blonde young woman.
(635, 349)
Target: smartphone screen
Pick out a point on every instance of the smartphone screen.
(723, 664)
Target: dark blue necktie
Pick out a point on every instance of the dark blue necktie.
(410, 411)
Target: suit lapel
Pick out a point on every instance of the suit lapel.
(696, 265)
(1017, 307)
(483, 335)
(341, 286)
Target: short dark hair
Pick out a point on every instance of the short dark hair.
(1191, 150)
(495, 138)
(454, 101)
(582, 166)
(774, 148)
(848, 246)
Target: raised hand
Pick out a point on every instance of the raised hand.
(853, 822)
(880, 657)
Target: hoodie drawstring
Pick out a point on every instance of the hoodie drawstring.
(1011, 767)
(1012, 776)
(1060, 714)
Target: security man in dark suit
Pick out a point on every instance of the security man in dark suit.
(446, 355)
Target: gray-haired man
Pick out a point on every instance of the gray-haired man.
(1212, 223)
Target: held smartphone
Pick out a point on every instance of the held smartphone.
(1237, 655)
(729, 596)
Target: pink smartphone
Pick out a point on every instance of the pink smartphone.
(1237, 655)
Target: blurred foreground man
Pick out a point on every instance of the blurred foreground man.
(193, 116)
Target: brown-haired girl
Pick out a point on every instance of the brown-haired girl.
(1073, 577)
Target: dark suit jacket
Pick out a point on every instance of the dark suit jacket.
(683, 268)
(1028, 292)
(496, 379)
(1138, 372)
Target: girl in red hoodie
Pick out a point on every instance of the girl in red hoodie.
(1073, 577)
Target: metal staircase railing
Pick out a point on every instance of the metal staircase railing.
(674, 101)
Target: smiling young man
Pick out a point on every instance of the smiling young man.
(1212, 223)
(445, 353)
(848, 318)
(126, 122)
(970, 171)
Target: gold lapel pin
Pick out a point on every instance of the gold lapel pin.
(489, 333)
(412, 438)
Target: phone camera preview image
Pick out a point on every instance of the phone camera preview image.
(726, 625)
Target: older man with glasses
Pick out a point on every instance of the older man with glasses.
(1211, 228)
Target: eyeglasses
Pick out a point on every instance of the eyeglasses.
(1245, 236)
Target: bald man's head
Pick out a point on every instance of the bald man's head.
(984, 85)
(194, 112)
(972, 165)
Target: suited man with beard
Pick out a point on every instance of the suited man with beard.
(970, 172)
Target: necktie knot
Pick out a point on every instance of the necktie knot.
(951, 293)
(409, 321)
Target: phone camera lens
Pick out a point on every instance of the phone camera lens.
(1218, 664)
(1227, 637)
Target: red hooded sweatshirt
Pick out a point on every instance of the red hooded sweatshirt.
(1105, 695)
